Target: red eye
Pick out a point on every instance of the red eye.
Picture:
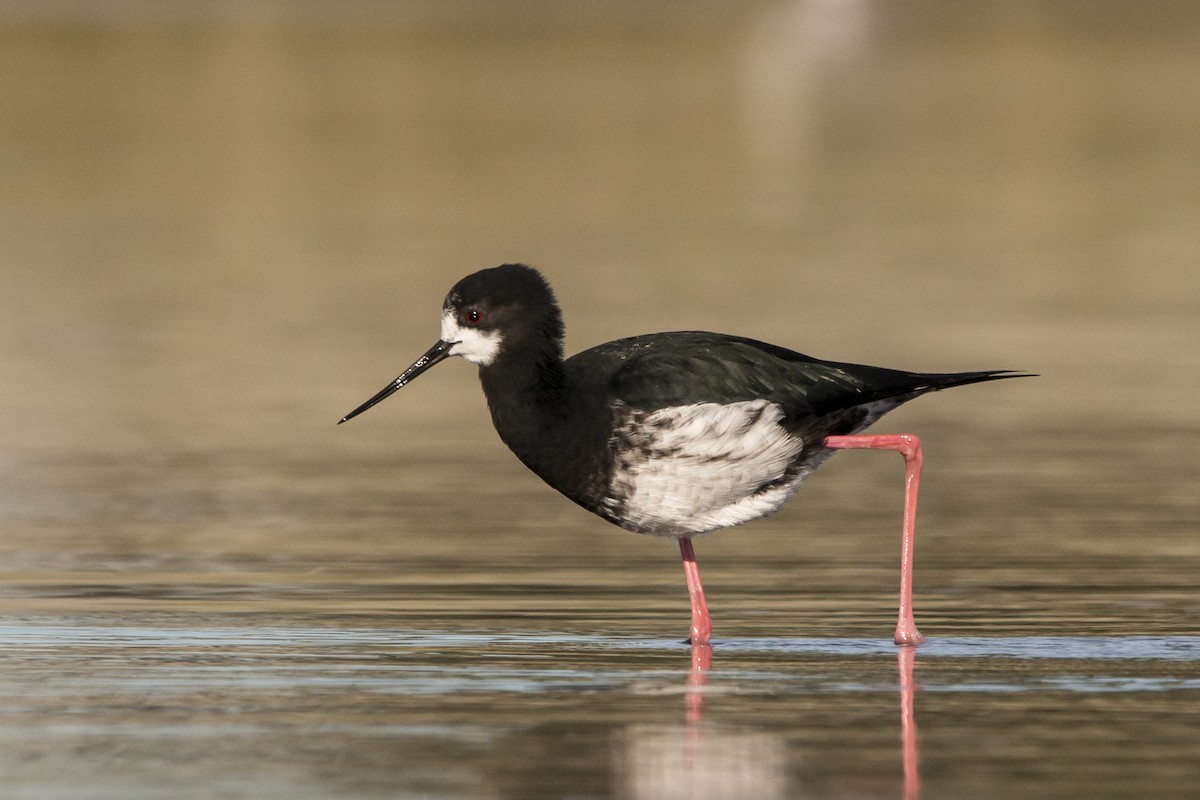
(473, 316)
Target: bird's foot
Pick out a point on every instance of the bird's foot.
(907, 633)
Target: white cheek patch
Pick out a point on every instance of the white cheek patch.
(478, 347)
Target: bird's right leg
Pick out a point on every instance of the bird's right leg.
(908, 446)
(701, 622)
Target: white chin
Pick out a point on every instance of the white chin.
(478, 347)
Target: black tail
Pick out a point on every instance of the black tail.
(839, 386)
(932, 382)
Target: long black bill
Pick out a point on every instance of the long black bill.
(433, 355)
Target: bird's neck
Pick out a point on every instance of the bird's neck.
(551, 423)
(526, 391)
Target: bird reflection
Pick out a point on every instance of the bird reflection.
(700, 760)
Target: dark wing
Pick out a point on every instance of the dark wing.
(689, 367)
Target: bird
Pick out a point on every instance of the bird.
(671, 434)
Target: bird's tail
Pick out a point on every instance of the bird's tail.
(944, 380)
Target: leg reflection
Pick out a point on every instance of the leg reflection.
(706, 758)
(700, 757)
(697, 677)
(905, 656)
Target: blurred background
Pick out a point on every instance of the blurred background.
(224, 222)
(223, 225)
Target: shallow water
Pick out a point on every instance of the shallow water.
(222, 227)
(203, 704)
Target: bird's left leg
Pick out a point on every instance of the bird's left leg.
(908, 446)
(701, 622)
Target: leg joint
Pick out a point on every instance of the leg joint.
(906, 444)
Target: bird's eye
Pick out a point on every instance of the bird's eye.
(473, 316)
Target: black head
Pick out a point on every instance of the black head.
(487, 316)
(501, 310)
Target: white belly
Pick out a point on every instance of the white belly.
(692, 469)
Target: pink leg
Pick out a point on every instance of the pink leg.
(701, 622)
(908, 446)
